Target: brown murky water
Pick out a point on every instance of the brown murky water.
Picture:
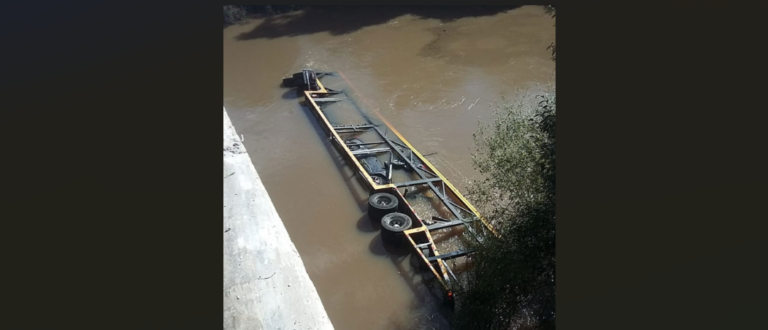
(431, 73)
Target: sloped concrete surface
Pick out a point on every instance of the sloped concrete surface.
(265, 283)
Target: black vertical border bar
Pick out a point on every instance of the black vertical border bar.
(659, 130)
(112, 135)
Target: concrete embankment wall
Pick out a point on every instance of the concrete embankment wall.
(265, 283)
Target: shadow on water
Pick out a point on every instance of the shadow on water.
(422, 316)
(338, 20)
(366, 225)
(377, 246)
(338, 160)
(427, 305)
(291, 94)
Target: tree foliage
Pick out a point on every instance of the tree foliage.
(551, 10)
(512, 284)
(234, 14)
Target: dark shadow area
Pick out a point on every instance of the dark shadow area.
(377, 246)
(398, 251)
(365, 224)
(338, 20)
(363, 203)
(291, 94)
(427, 305)
(339, 160)
(423, 315)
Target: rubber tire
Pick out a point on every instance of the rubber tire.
(391, 233)
(376, 210)
(289, 82)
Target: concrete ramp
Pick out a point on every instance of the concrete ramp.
(265, 283)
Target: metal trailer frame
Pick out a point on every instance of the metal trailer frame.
(419, 235)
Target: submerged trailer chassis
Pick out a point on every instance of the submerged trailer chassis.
(400, 223)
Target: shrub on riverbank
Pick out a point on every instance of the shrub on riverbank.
(512, 283)
(234, 14)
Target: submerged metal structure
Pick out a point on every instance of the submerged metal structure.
(386, 163)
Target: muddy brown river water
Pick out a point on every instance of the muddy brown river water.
(431, 73)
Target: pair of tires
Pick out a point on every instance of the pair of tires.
(382, 207)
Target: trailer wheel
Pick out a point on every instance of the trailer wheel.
(380, 204)
(393, 225)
